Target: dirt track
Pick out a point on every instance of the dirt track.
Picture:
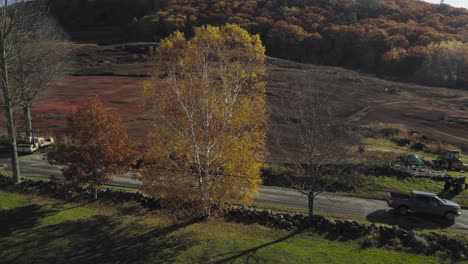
(364, 112)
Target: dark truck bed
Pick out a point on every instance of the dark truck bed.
(398, 195)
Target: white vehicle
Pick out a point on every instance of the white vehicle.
(30, 144)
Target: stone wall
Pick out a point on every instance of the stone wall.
(368, 234)
(62, 191)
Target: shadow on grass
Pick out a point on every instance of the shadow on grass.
(411, 221)
(5, 154)
(100, 239)
(21, 218)
(250, 253)
(59, 207)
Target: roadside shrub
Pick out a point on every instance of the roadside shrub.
(389, 132)
(415, 135)
(418, 146)
(438, 148)
(401, 141)
(395, 244)
(371, 240)
(419, 244)
(278, 169)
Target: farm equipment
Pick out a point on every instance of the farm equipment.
(412, 160)
(28, 143)
(457, 183)
(450, 160)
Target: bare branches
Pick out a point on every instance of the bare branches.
(309, 125)
(28, 61)
(39, 59)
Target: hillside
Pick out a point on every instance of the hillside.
(405, 39)
(116, 74)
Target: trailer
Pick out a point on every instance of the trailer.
(29, 143)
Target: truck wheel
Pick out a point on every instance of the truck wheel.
(403, 210)
(450, 216)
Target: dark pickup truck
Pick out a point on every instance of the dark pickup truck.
(423, 202)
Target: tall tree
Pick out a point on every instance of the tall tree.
(309, 117)
(11, 22)
(208, 102)
(41, 59)
(96, 148)
(18, 21)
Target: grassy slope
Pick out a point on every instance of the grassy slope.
(41, 231)
(385, 145)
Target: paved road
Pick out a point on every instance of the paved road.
(373, 210)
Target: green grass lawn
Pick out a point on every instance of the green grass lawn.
(385, 145)
(37, 230)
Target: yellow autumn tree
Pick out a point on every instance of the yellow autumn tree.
(445, 64)
(207, 99)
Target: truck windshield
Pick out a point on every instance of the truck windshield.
(438, 200)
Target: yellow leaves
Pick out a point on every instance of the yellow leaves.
(395, 54)
(208, 102)
(445, 63)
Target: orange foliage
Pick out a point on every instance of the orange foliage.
(96, 148)
(356, 33)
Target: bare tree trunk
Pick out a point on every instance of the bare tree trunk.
(95, 192)
(12, 140)
(9, 111)
(208, 213)
(27, 120)
(310, 199)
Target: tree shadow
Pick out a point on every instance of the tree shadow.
(250, 253)
(59, 206)
(14, 220)
(409, 222)
(100, 239)
(5, 153)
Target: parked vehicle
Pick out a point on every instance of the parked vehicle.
(423, 202)
(450, 160)
(28, 143)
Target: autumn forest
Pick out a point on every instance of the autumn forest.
(407, 39)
